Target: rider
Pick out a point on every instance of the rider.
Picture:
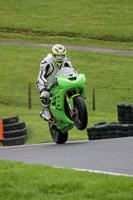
(49, 66)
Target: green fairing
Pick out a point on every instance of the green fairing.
(57, 105)
(71, 100)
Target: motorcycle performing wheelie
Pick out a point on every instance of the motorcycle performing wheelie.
(67, 105)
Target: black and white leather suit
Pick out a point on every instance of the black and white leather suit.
(48, 70)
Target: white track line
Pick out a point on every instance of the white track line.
(96, 171)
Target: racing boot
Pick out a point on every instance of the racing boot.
(45, 113)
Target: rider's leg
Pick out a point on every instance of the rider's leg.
(44, 97)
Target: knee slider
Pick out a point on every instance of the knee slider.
(44, 97)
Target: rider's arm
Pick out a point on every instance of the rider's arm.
(42, 81)
(69, 64)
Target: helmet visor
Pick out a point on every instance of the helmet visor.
(59, 57)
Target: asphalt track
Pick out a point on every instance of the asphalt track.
(111, 156)
(72, 47)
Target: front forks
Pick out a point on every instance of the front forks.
(71, 104)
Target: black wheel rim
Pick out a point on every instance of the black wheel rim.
(77, 119)
(54, 132)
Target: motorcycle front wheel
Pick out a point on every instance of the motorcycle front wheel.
(81, 116)
(57, 135)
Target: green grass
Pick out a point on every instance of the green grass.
(88, 23)
(31, 181)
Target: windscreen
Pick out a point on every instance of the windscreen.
(66, 71)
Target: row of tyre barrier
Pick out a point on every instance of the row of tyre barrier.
(125, 113)
(109, 130)
(12, 131)
(122, 128)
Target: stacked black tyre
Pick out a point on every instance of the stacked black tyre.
(101, 130)
(125, 113)
(109, 130)
(122, 128)
(14, 132)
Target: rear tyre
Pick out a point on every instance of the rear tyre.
(81, 116)
(57, 135)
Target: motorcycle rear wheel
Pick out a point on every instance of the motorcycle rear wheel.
(81, 116)
(57, 135)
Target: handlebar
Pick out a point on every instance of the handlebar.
(53, 85)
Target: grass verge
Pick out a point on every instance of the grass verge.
(31, 181)
(88, 23)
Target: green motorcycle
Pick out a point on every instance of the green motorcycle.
(67, 104)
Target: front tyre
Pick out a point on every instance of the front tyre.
(81, 116)
(57, 135)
